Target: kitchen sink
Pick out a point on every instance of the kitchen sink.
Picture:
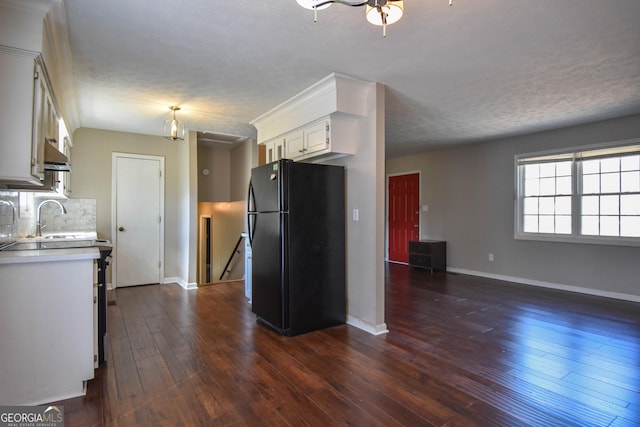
(59, 240)
(61, 236)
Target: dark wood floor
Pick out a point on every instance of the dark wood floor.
(461, 351)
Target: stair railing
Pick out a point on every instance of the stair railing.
(235, 251)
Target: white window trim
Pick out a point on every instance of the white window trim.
(575, 237)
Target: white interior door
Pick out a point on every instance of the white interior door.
(137, 216)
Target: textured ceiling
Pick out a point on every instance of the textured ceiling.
(479, 70)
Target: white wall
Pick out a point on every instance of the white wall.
(469, 191)
(187, 206)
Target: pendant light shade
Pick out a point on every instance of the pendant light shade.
(173, 130)
(391, 12)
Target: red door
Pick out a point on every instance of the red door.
(404, 215)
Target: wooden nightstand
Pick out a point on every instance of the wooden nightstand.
(431, 254)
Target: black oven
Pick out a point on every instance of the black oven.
(103, 262)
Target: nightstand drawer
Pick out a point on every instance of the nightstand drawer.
(420, 260)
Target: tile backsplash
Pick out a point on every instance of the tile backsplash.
(80, 216)
(9, 215)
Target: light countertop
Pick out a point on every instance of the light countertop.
(48, 255)
(52, 255)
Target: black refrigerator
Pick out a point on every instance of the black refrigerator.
(296, 220)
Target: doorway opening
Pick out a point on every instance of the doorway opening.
(220, 257)
(206, 231)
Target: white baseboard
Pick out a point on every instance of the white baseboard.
(397, 262)
(551, 285)
(366, 326)
(182, 283)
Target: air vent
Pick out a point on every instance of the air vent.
(210, 138)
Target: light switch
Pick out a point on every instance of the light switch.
(425, 208)
(356, 215)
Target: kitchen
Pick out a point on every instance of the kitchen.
(92, 174)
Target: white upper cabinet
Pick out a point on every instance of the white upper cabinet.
(31, 122)
(316, 137)
(21, 95)
(295, 144)
(320, 122)
(327, 137)
(30, 115)
(275, 150)
(65, 183)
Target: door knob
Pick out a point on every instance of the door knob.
(416, 225)
(120, 228)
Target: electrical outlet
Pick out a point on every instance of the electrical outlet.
(356, 215)
(490, 257)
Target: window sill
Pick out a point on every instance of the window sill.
(610, 241)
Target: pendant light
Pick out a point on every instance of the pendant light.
(384, 13)
(173, 130)
(378, 12)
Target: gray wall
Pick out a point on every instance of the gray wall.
(215, 186)
(91, 178)
(469, 191)
(243, 158)
(365, 237)
(229, 171)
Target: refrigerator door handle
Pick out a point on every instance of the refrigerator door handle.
(251, 219)
(251, 198)
(251, 203)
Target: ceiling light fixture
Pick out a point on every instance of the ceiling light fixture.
(173, 130)
(378, 12)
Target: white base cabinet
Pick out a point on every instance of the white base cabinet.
(46, 331)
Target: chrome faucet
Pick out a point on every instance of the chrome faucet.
(39, 226)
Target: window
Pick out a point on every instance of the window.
(610, 196)
(587, 195)
(547, 197)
